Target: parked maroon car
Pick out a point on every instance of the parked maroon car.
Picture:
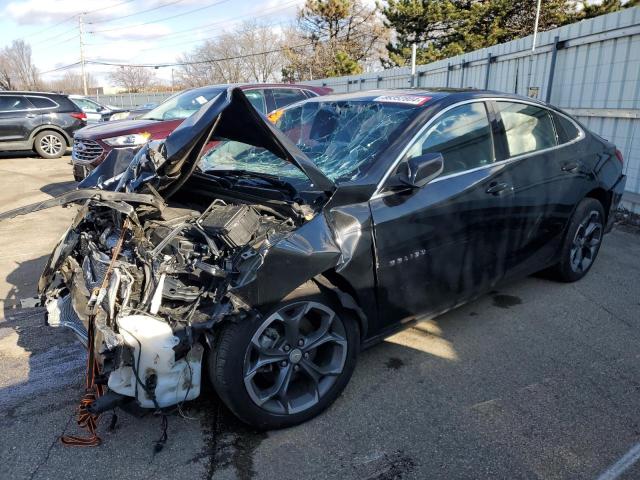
(92, 144)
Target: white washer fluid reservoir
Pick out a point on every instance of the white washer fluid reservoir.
(176, 381)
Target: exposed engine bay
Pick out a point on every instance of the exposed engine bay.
(157, 286)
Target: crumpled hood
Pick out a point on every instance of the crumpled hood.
(163, 166)
(168, 164)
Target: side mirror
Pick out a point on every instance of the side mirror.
(422, 169)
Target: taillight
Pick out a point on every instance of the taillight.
(79, 115)
(619, 156)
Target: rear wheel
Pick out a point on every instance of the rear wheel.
(50, 144)
(288, 366)
(582, 241)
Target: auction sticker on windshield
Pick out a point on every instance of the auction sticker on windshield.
(408, 99)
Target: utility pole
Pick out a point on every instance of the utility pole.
(533, 45)
(413, 64)
(84, 75)
(535, 28)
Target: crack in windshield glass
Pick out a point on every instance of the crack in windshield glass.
(342, 138)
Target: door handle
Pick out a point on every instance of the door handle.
(31, 115)
(570, 167)
(499, 188)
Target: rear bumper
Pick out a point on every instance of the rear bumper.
(616, 197)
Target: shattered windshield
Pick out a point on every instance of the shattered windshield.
(182, 105)
(342, 138)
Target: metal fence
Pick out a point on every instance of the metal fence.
(590, 69)
(129, 100)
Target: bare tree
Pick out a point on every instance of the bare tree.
(71, 82)
(264, 63)
(133, 79)
(17, 70)
(243, 55)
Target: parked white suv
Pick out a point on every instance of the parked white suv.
(94, 110)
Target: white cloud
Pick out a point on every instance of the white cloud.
(42, 12)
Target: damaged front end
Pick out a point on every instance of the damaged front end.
(157, 301)
(153, 274)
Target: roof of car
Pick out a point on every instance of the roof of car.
(24, 92)
(244, 86)
(405, 95)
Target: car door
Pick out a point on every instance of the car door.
(440, 245)
(17, 118)
(546, 177)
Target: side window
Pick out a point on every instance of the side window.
(287, 96)
(462, 136)
(86, 105)
(528, 128)
(42, 102)
(10, 103)
(566, 129)
(256, 97)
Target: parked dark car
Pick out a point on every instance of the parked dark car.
(44, 122)
(283, 252)
(93, 143)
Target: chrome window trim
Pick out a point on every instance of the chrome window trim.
(378, 192)
(34, 107)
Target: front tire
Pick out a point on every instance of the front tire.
(286, 367)
(582, 241)
(50, 144)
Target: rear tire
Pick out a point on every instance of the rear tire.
(289, 365)
(582, 241)
(50, 144)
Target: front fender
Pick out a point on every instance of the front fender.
(281, 267)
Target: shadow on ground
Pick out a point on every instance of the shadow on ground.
(58, 188)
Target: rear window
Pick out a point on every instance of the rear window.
(567, 131)
(286, 96)
(528, 128)
(42, 102)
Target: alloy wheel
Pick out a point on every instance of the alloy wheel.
(586, 242)
(51, 144)
(294, 357)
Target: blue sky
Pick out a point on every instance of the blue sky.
(133, 31)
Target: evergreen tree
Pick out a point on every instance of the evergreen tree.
(445, 28)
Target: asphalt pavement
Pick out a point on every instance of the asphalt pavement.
(536, 380)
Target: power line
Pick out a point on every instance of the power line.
(162, 19)
(67, 19)
(202, 40)
(64, 67)
(192, 31)
(52, 26)
(212, 60)
(66, 40)
(136, 13)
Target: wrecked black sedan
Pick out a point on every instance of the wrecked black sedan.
(271, 260)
